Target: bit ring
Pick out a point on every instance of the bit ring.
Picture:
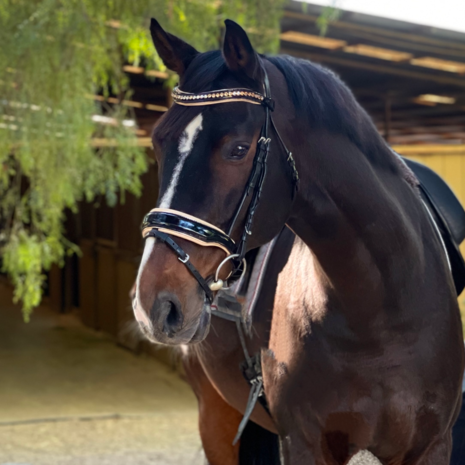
(218, 284)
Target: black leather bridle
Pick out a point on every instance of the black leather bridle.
(163, 223)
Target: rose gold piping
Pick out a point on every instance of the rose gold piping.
(187, 237)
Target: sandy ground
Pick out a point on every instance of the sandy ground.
(70, 396)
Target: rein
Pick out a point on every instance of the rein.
(163, 223)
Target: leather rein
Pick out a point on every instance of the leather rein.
(164, 223)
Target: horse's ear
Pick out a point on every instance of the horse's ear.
(238, 51)
(175, 53)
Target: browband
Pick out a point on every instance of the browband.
(187, 227)
(217, 96)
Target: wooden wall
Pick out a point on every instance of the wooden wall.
(111, 246)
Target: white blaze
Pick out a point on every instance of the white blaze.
(186, 143)
(139, 312)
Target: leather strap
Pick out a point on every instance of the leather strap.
(257, 176)
(251, 369)
(183, 257)
(181, 223)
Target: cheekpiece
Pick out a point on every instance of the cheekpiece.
(217, 96)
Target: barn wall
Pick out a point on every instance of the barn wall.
(451, 167)
(111, 247)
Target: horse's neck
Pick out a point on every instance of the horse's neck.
(360, 221)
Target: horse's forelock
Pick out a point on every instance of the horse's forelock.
(203, 72)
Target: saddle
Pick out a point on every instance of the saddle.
(448, 214)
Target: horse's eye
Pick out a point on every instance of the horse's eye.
(239, 152)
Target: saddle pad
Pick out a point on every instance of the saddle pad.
(237, 302)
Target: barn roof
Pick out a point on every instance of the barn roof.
(409, 77)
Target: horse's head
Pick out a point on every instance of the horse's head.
(206, 145)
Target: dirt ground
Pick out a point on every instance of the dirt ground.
(70, 396)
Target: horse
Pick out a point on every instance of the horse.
(253, 143)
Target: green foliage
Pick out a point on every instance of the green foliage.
(328, 15)
(54, 54)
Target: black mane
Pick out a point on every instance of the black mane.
(325, 101)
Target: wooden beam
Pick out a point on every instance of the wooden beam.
(157, 74)
(139, 142)
(427, 122)
(433, 149)
(431, 129)
(417, 139)
(159, 108)
(382, 69)
(438, 111)
(378, 31)
(412, 47)
(139, 70)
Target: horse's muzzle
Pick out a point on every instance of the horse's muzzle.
(167, 323)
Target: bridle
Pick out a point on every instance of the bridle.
(162, 223)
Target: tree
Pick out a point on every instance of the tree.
(54, 56)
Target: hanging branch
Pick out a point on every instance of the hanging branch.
(54, 54)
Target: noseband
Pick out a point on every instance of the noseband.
(163, 223)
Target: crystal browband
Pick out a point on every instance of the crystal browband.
(217, 96)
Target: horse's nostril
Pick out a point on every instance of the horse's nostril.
(166, 314)
(173, 319)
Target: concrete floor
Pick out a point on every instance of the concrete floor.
(70, 396)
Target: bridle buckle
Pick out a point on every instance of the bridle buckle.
(185, 259)
(264, 140)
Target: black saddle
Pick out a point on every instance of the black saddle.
(448, 214)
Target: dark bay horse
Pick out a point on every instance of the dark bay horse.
(380, 365)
